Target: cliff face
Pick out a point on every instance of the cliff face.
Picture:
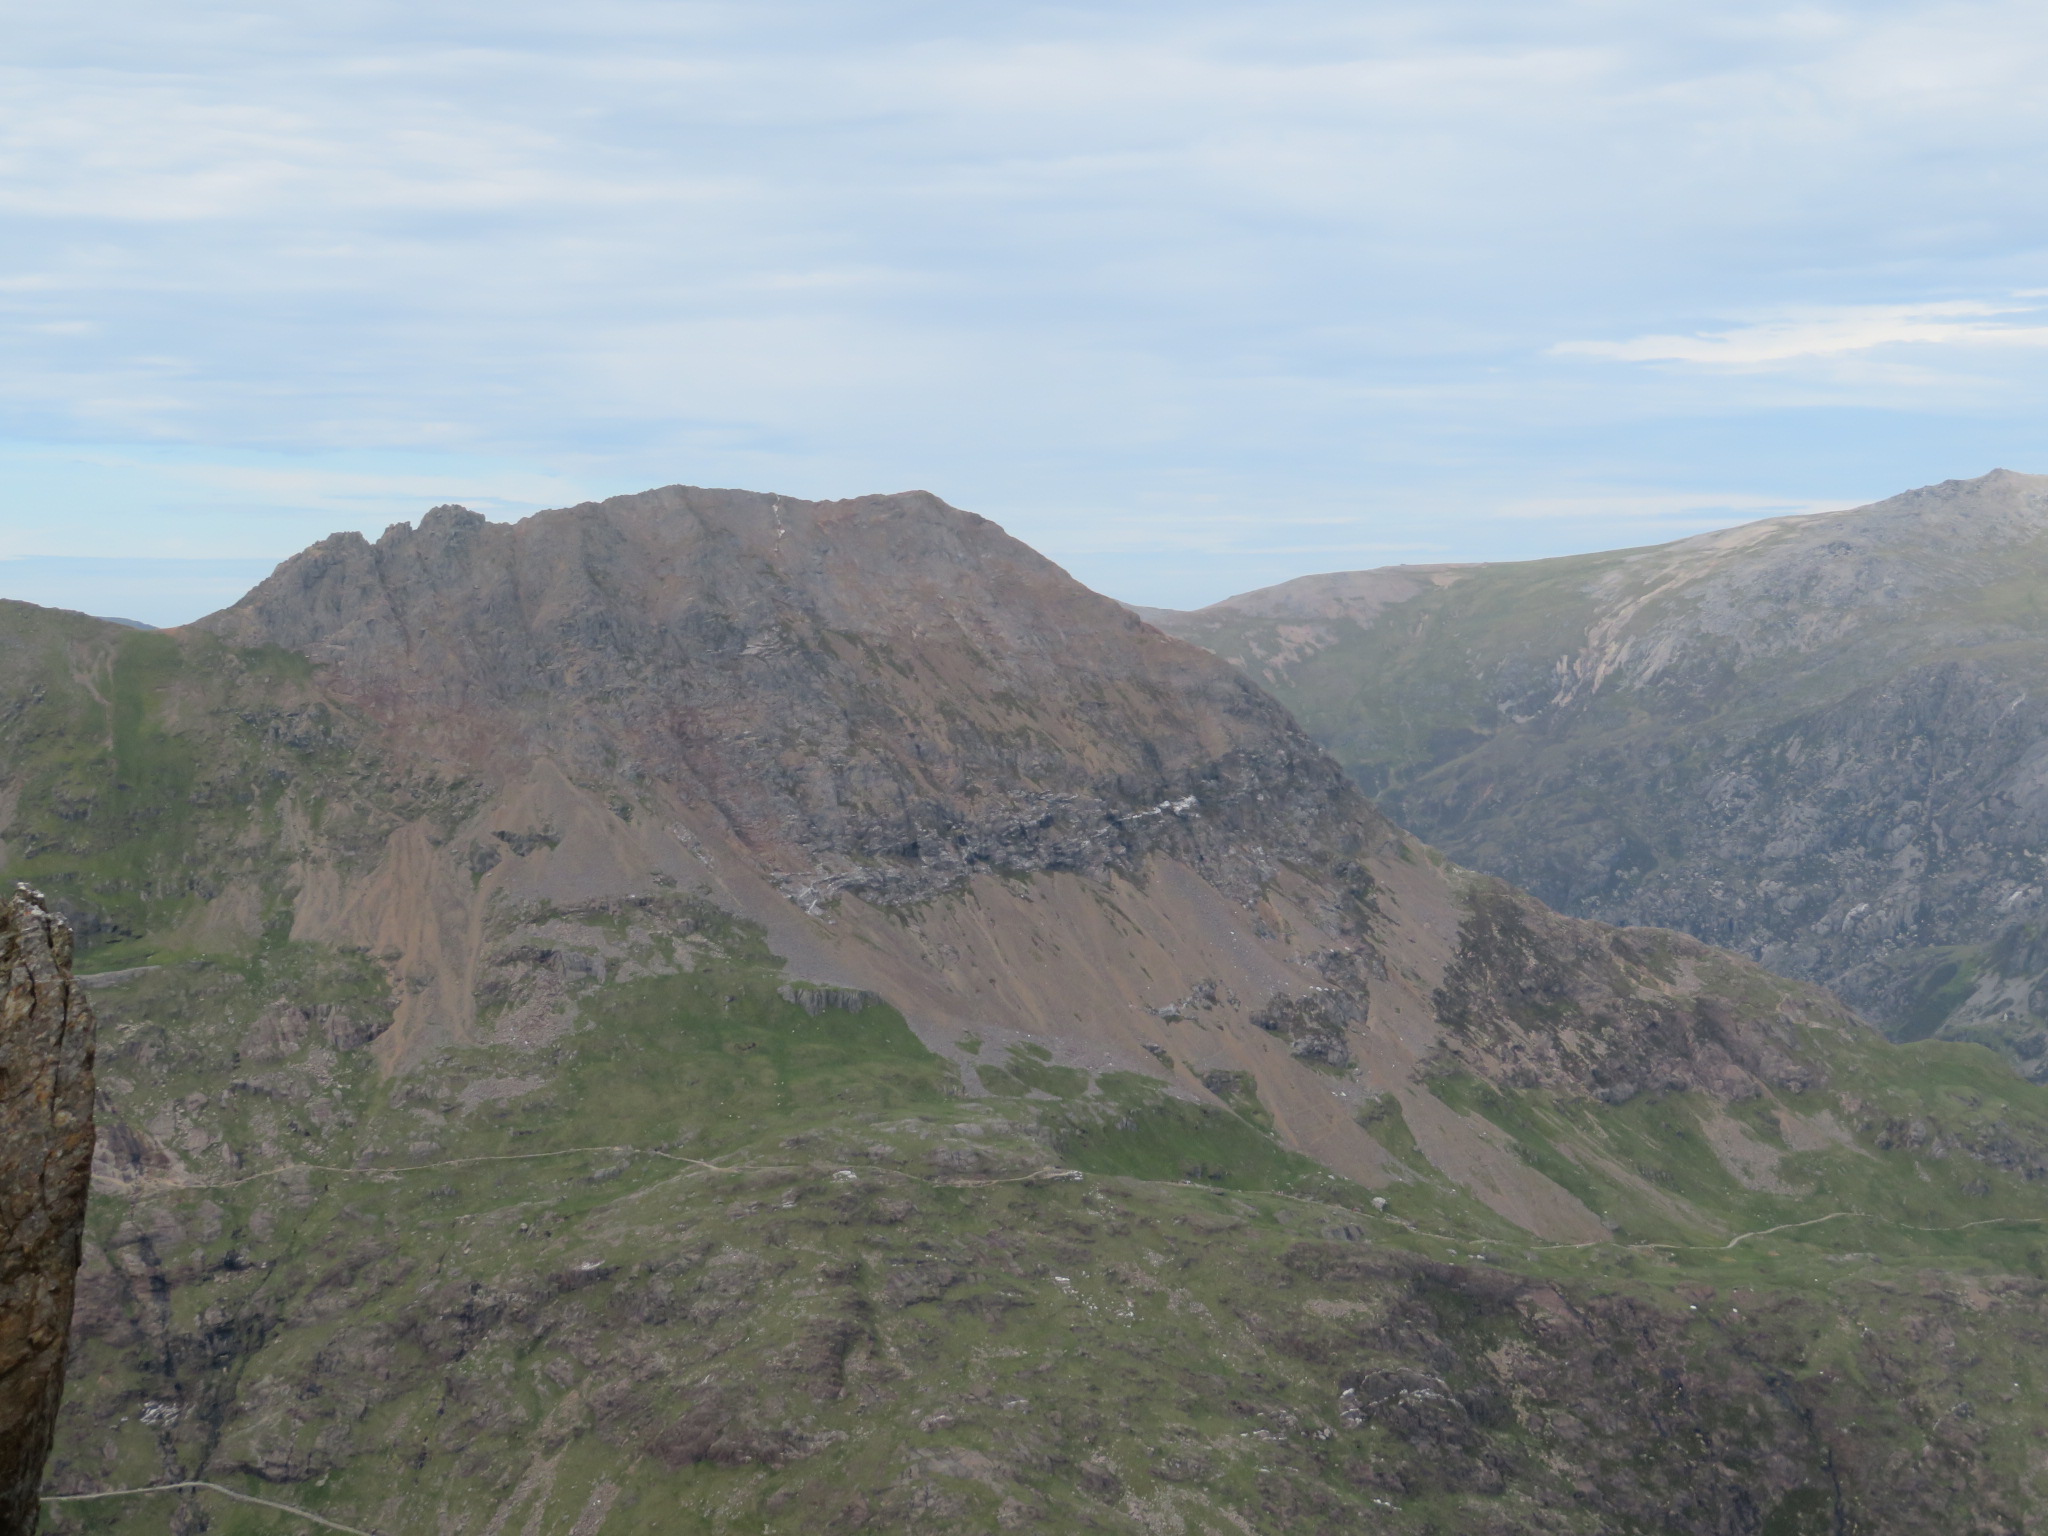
(1818, 741)
(877, 696)
(46, 1142)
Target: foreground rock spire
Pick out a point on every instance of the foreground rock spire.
(46, 1138)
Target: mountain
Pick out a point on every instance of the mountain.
(708, 1011)
(1818, 741)
(46, 1140)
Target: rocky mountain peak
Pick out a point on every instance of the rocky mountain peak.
(923, 757)
(886, 687)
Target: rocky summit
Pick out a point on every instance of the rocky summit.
(1814, 740)
(714, 1012)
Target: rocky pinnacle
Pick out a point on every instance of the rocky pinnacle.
(46, 1138)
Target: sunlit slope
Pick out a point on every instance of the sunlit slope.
(550, 1099)
(1817, 741)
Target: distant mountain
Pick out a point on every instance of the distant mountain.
(1819, 741)
(708, 1011)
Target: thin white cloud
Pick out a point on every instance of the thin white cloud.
(1296, 256)
(1663, 506)
(1831, 334)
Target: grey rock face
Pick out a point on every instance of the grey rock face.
(46, 1136)
(1819, 741)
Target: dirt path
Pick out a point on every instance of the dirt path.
(245, 1498)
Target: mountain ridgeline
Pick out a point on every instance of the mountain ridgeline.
(1820, 741)
(708, 1011)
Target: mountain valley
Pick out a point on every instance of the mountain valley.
(714, 1012)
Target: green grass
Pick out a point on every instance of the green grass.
(1945, 988)
(1030, 1069)
(426, 1324)
(1144, 1132)
(723, 1056)
(1383, 1119)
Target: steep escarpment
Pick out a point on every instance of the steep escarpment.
(46, 1139)
(706, 1010)
(1813, 740)
(876, 696)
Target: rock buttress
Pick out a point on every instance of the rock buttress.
(46, 1136)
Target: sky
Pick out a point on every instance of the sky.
(1193, 297)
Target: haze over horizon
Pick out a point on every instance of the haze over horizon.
(1193, 300)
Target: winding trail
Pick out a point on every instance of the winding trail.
(1454, 1237)
(1790, 1226)
(1049, 1174)
(245, 1498)
(454, 1162)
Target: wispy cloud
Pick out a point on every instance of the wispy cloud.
(1161, 286)
(1832, 333)
(1613, 507)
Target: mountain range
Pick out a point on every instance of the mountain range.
(1819, 741)
(708, 1011)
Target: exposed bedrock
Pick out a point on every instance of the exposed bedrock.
(46, 1045)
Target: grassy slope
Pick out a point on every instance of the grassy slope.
(508, 1284)
(766, 1343)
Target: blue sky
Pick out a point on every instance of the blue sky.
(1193, 297)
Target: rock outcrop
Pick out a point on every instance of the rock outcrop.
(46, 1138)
